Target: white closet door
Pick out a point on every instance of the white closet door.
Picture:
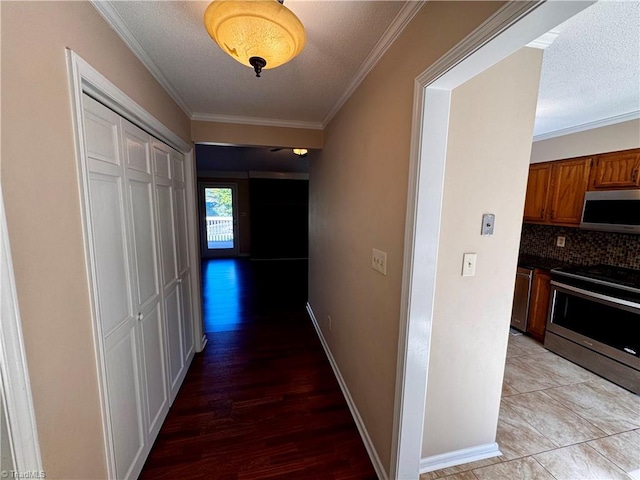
(182, 244)
(146, 292)
(177, 166)
(187, 315)
(112, 276)
(170, 280)
(125, 402)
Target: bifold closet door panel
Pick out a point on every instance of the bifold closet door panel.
(174, 335)
(110, 255)
(164, 196)
(155, 371)
(118, 325)
(181, 229)
(107, 218)
(188, 339)
(182, 244)
(146, 292)
(146, 257)
(166, 221)
(170, 281)
(125, 401)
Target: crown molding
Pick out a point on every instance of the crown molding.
(406, 14)
(605, 122)
(504, 18)
(115, 21)
(266, 122)
(545, 40)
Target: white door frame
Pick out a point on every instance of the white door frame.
(205, 251)
(514, 26)
(83, 78)
(14, 375)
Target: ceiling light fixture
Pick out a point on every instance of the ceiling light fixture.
(301, 152)
(262, 34)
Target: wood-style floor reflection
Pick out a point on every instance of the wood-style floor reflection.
(261, 401)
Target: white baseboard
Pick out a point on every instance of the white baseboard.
(203, 342)
(459, 457)
(373, 455)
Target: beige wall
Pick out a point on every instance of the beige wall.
(621, 136)
(488, 148)
(254, 135)
(357, 201)
(40, 184)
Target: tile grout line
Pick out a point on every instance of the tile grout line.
(520, 360)
(545, 436)
(569, 407)
(609, 459)
(543, 467)
(532, 426)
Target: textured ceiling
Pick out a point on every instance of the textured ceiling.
(590, 73)
(340, 36)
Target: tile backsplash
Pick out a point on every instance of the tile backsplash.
(582, 247)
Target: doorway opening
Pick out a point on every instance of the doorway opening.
(219, 225)
(513, 27)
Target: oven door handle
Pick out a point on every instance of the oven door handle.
(587, 293)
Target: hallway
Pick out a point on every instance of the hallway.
(261, 401)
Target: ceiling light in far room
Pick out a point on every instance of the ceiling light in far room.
(262, 34)
(301, 152)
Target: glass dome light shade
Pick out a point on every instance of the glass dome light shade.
(255, 28)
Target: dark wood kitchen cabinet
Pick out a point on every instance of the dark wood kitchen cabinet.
(535, 205)
(555, 191)
(569, 181)
(539, 304)
(616, 171)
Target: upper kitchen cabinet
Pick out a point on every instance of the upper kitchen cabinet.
(535, 206)
(616, 170)
(569, 180)
(555, 191)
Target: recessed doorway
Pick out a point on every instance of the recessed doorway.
(218, 224)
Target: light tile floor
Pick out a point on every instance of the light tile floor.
(557, 421)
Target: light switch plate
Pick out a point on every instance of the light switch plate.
(488, 221)
(379, 261)
(469, 264)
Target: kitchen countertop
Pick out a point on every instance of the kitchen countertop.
(543, 263)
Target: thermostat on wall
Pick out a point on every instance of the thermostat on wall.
(488, 220)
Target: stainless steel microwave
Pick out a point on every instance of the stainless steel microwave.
(612, 211)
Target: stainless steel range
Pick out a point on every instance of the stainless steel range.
(594, 321)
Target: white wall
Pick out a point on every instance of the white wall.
(621, 136)
(488, 150)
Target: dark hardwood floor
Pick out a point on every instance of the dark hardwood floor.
(261, 401)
